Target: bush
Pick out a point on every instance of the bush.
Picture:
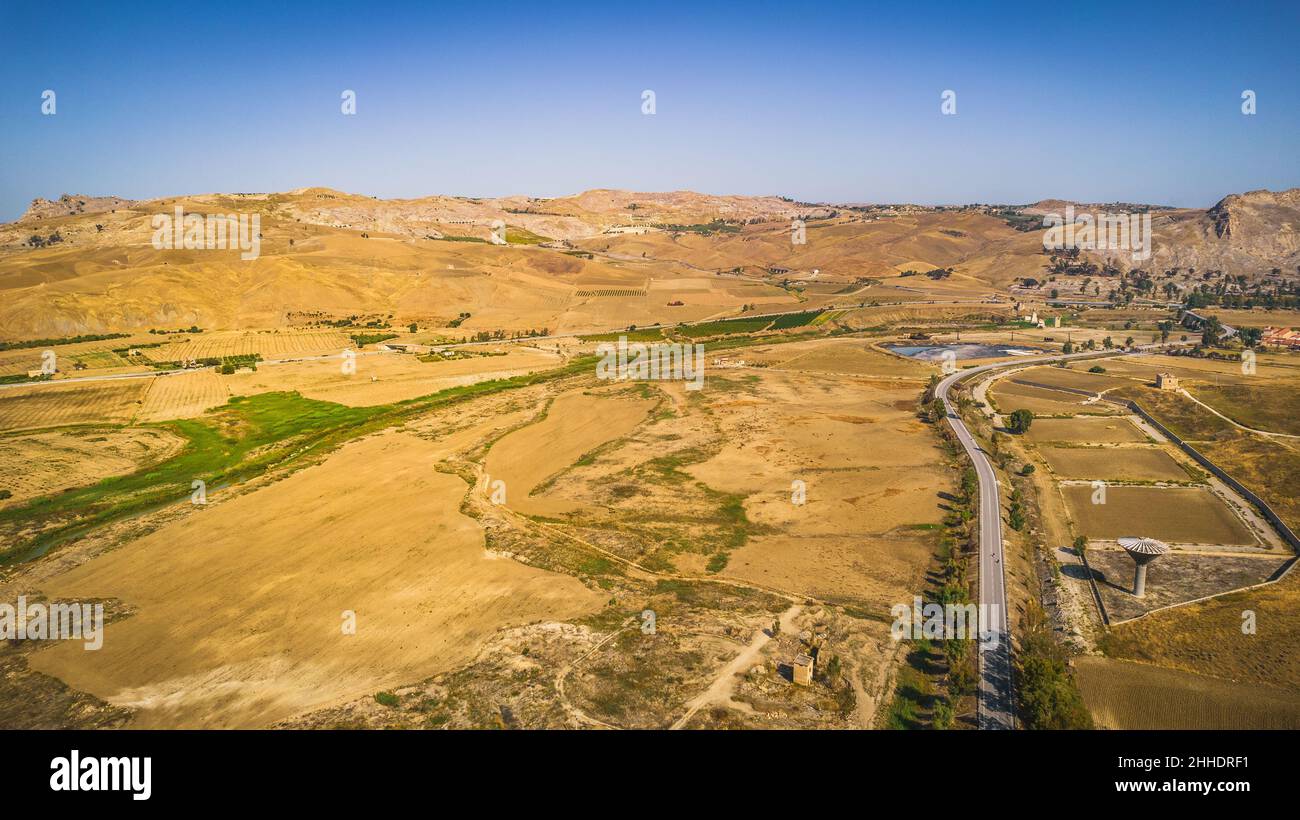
(1027, 469)
(1096, 368)
(5, 494)
(227, 369)
(386, 699)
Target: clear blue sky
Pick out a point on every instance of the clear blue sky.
(838, 101)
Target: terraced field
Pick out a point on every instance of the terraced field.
(275, 344)
(183, 395)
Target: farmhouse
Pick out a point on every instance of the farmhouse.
(1281, 337)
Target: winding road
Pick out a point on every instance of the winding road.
(996, 704)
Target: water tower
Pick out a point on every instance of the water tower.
(1143, 551)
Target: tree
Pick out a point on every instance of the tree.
(998, 439)
(1016, 517)
(942, 715)
(1049, 698)
(833, 670)
(961, 674)
(936, 411)
(1019, 421)
(412, 327)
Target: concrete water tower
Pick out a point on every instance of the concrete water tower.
(1143, 551)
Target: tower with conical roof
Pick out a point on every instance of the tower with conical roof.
(1143, 551)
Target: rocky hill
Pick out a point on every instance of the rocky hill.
(72, 204)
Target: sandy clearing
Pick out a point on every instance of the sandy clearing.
(241, 604)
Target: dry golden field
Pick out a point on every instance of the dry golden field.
(1185, 515)
(1085, 431)
(1076, 377)
(1010, 397)
(575, 423)
(1114, 463)
(183, 395)
(380, 378)
(54, 405)
(1208, 637)
(35, 464)
(97, 356)
(270, 344)
(1126, 695)
(846, 356)
(240, 606)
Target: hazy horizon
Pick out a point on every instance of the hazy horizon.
(836, 104)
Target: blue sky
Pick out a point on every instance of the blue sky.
(834, 102)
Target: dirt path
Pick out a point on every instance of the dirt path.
(725, 683)
(573, 711)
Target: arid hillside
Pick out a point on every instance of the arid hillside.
(599, 260)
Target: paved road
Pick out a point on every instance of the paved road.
(996, 705)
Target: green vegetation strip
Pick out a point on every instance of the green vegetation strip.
(66, 340)
(243, 439)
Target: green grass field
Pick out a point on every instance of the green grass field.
(650, 334)
(523, 236)
(790, 320)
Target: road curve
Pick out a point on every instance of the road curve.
(995, 701)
